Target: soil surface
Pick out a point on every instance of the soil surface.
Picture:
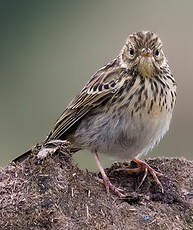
(53, 193)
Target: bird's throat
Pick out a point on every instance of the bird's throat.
(146, 67)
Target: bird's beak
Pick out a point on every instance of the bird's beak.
(145, 65)
(146, 53)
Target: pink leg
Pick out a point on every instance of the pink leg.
(145, 167)
(106, 180)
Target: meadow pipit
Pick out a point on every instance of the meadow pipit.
(125, 108)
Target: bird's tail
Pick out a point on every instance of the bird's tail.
(23, 156)
(53, 143)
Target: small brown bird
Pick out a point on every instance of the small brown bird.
(125, 108)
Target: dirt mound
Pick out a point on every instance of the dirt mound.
(53, 193)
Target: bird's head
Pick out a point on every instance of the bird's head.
(143, 53)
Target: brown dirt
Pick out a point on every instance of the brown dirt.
(53, 193)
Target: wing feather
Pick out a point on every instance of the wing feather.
(101, 87)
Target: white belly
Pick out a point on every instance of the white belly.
(123, 137)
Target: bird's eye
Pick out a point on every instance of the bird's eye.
(131, 51)
(157, 52)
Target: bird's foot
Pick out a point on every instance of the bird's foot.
(144, 167)
(108, 185)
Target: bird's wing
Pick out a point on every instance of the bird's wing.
(100, 87)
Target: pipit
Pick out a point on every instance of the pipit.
(125, 108)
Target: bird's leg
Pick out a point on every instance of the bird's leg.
(106, 180)
(144, 167)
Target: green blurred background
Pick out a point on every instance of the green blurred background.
(48, 50)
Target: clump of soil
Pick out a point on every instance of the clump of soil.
(53, 193)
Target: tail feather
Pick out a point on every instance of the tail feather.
(23, 156)
(39, 146)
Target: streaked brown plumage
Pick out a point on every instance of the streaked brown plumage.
(126, 106)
